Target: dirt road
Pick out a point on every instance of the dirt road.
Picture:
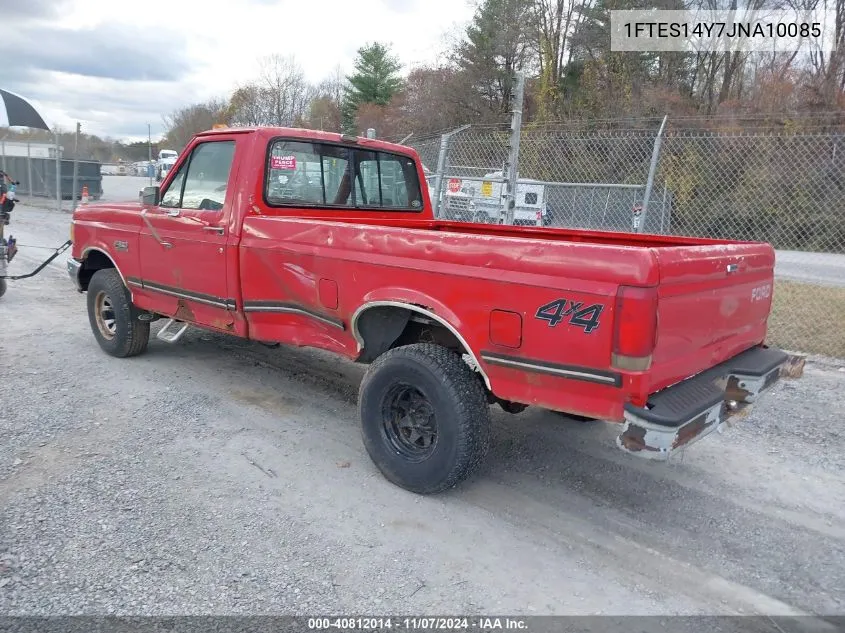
(216, 476)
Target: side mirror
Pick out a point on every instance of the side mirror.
(151, 196)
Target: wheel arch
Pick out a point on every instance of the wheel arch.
(410, 309)
(95, 258)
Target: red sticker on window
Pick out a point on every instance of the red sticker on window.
(287, 163)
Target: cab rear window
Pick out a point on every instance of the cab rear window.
(306, 174)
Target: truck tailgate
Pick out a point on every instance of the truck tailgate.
(713, 302)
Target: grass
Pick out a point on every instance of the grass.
(808, 318)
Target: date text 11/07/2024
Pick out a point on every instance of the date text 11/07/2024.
(417, 624)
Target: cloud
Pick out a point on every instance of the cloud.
(116, 51)
(114, 78)
(27, 9)
(401, 6)
(115, 71)
(110, 107)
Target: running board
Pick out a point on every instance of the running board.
(165, 336)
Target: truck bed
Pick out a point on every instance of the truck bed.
(705, 313)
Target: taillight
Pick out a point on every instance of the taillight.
(635, 328)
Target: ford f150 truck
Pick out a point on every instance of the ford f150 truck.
(316, 239)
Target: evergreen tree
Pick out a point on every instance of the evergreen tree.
(376, 80)
(497, 43)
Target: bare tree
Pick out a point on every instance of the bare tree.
(248, 106)
(182, 124)
(828, 67)
(285, 88)
(332, 86)
(555, 21)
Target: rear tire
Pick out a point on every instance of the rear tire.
(425, 417)
(113, 318)
(2, 287)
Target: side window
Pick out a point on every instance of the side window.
(208, 176)
(367, 192)
(337, 181)
(400, 184)
(294, 174)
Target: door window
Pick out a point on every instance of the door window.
(172, 196)
(201, 182)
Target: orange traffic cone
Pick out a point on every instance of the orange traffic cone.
(84, 194)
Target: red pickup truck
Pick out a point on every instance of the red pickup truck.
(316, 239)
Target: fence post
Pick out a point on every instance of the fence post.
(29, 168)
(511, 171)
(58, 175)
(655, 155)
(441, 168)
(75, 167)
(150, 169)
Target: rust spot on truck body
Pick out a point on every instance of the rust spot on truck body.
(183, 312)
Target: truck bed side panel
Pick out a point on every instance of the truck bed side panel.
(291, 269)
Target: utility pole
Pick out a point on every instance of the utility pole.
(150, 152)
(75, 164)
(511, 166)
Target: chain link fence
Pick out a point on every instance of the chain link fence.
(780, 182)
(37, 176)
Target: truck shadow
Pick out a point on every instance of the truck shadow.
(547, 468)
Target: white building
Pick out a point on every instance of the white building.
(31, 149)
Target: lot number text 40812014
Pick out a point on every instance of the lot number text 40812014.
(417, 624)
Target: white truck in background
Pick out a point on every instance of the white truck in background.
(166, 160)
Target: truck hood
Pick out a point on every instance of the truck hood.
(109, 212)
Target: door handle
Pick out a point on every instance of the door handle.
(216, 229)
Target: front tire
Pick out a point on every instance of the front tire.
(425, 417)
(113, 318)
(2, 287)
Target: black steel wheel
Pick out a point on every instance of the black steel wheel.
(425, 417)
(408, 422)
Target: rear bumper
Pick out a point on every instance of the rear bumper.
(690, 410)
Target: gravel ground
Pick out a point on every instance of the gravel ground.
(221, 477)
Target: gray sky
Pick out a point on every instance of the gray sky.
(117, 65)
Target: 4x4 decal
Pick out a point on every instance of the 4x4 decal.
(558, 310)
